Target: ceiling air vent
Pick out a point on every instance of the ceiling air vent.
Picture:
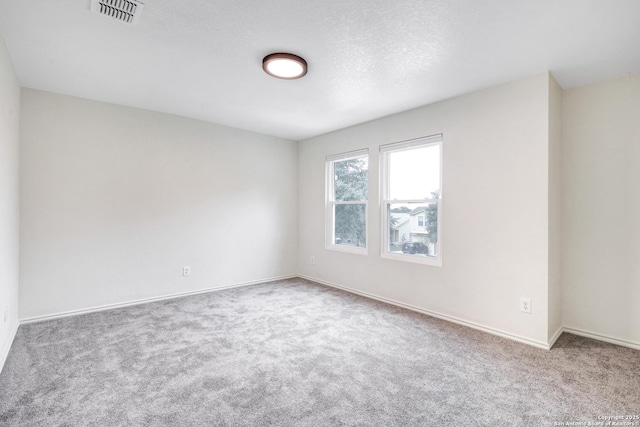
(127, 11)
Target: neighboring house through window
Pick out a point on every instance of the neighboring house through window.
(347, 198)
(411, 191)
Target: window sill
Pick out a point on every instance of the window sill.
(424, 260)
(348, 249)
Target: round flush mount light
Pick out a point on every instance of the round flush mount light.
(284, 66)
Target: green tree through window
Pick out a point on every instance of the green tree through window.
(348, 201)
(432, 219)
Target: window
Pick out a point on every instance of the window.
(411, 176)
(347, 196)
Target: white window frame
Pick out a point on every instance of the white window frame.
(385, 203)
(330, 204)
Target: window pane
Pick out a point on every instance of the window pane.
(409, 235)
(414, 173)
(350, 228)
(350, 179)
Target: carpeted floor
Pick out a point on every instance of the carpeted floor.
(300, 354)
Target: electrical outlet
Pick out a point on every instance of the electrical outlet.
(525, 305)
(186, 271)
(313, 260)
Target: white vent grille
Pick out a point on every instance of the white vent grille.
(127, 11)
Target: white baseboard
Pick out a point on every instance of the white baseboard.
(7, 345)
(453, 319)
(600, 337)
(515, 337)
(148, 300)
(555, 336)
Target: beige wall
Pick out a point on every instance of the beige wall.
(116, 200)
(495, 225)
(601, 209)
(538, 201)
(9, 203)
(555, 209)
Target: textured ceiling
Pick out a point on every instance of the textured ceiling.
(367, 58)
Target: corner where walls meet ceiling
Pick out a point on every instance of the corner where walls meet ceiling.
(367, 59)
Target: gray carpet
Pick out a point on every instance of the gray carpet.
(300, 354)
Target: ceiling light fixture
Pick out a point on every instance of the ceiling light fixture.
(284, 66)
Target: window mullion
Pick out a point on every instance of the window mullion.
(395, 201)
(351, 202)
